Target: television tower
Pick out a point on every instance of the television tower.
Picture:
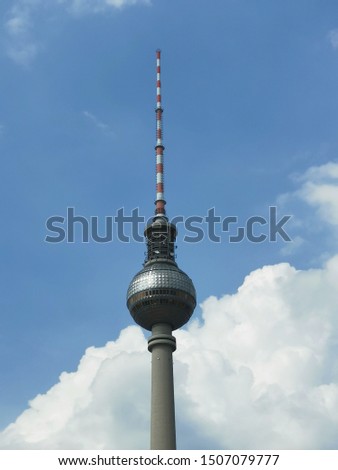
(161, 298)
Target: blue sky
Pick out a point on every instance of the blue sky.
(250, 105)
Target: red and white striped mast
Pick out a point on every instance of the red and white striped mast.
(160, 201)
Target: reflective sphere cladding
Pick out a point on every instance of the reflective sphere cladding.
(161, 293)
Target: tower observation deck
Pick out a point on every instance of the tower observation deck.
(161, 298)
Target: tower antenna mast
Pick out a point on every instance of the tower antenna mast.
(160, 201)
(161, 298)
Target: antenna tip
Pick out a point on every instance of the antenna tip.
(158, 52)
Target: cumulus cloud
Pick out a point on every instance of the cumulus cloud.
(320, 190)
(314, 205)
(265, 357)
(101, 405)
(260, 370)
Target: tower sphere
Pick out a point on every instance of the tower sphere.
(161, 293)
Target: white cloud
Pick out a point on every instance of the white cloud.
(333, 38)
(320, 190)
(293, 246)
(18, 24)
(96, 6)
(319, 173)
(22, 53)
(314, 206)
(98, 123)
(21, 43)
(21, 46)
(110, 383)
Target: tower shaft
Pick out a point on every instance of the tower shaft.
(161, 345)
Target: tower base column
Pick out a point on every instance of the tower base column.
(161, 345)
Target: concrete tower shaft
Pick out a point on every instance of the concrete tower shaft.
(163, 430)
